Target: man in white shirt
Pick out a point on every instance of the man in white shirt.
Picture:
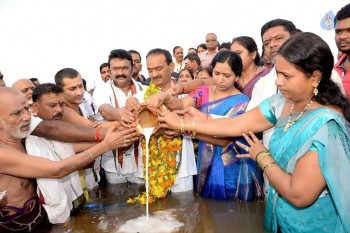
(60, 195)
(124, 164)
(178, 54)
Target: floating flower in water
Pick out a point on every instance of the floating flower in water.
(162, 164)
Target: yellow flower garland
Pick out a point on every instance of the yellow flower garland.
(162, 167)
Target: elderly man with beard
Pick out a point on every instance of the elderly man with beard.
(125, 164)
(20, 210)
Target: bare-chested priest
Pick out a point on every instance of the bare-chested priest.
(19, 205)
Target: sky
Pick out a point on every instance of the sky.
(40, 37)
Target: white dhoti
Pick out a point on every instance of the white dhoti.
(128, 171)
(188, 168)
(58, 194)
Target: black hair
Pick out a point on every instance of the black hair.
(84, 84)
(192, 49)
(134, 51)
(308, 52)
(121, 54)
(226, 45)
(103, 65)
(45, 88)
(65, 73)
(189, 71)
(193, 57)
(165, 52)
(288, 26)
(343, 13)
(248, 43)
(176, 47)
(231, 58)
(204, 46)
(33, 79)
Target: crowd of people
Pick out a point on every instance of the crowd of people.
(273, 126)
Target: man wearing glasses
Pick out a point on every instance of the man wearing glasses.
(212, 49)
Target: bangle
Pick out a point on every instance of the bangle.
(194, 128)
(263, 156)
(182, 126)
(189, 133)
(97, 134)
(171, 97)
(256, 156)
(92, 158)
(183, 88)
(268, 165)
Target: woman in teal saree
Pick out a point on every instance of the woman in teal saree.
(308, 165)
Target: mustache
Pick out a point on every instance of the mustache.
(23, 125)
(58, 115)
(120, 76)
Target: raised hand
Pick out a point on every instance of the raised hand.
(120, 138)
(255, 146)
(192, 113)
(155, 101)
(170, 120)
(132, 104)
(176, 89)
(126, 117)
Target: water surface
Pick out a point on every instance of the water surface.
(108, 211)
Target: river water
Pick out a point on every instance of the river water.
(108, 212)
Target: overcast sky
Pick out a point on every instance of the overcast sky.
(40, 37)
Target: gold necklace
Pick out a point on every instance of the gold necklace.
(290, 122)
(227, 95)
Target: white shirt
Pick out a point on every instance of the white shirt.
(104, 94)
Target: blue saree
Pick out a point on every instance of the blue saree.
(220, 174)
(326, 132)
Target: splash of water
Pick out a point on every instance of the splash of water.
(160, 222)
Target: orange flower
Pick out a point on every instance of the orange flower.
(161, 161)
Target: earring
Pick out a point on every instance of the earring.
(315, 91)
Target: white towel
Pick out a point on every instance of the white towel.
(58, 193)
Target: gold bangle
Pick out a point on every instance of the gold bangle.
(263, 156)
(171, 97)
(182, 126)
(92, 158)
(268, 165)
(194, 128)
(256, 156)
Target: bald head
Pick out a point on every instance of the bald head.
(26, 87)
(8, 93)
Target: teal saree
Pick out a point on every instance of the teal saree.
(326, 132)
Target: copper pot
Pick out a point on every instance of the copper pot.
(149, 120)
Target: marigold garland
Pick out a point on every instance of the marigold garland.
(162, 166)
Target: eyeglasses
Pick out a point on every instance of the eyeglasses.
(210, 40)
